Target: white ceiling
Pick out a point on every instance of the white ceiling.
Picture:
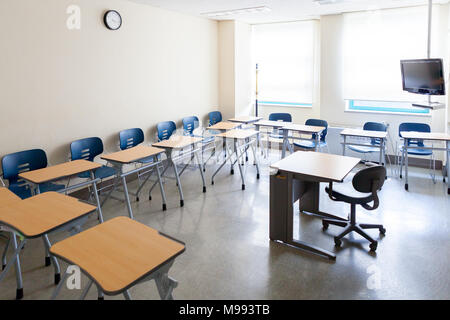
(282, 10)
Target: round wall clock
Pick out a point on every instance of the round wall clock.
(112, 20)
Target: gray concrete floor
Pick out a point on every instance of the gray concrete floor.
(229, 255)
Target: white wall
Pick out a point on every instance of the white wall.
(227, 69)
(59, 85)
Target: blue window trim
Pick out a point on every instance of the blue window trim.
(353, 107)
(285, 104)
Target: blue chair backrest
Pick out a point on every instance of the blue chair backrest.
(375, 126)
(86, 149)
(285, 117)
(214, 117)
(412, 126)
(165, 130)
(130, 138)
(190, 124)
(318, 123)
(18, 162)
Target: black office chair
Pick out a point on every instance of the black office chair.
(367, 180)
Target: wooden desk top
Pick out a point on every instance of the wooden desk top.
(132, 154)
(59, 171)
(238, 134)
(7, 197)
(270, 123)
(224, 125)
(425, 135)
(118, 253)
(245, 119)
(41, 214)
(302, 128)
(364, 133)
(177, 142)
(317, 166)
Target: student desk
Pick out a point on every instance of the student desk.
(381, 135)
(238, 135)
(224, 126)
(245, 119)
(7, 198)
(39, 216)
(430, 136)
(130, 252)
(298, 177)
(178, 143)
(133, 155)
(301, 129)
(63, 171)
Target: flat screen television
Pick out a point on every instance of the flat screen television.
(423, 76)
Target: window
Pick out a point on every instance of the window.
(374, 43)
(284, 53)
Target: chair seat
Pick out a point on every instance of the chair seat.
(309, 144)
(24, 192)
(146, 160)
(348, 199)
(276, 136)
(420, 152)
(208, 139)
(101, 173)
(364, 149)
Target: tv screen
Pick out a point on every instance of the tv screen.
(423, 76)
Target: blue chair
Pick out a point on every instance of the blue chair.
(130, 138)
(374, 144)
(310, 145)
(165, 129)
(29, 160)
(214, 117)
(189, 125)
(88, 149)
(283, 117)
(417, 127)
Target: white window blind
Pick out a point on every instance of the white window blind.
(374, 43)
(284, 53)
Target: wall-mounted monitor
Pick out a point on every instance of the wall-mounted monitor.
(423, 76)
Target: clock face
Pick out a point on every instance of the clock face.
(113, 20)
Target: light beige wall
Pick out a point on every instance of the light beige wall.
(59, 85)
(226, 68)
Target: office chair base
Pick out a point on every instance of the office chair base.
(358, 228)
(19, 294)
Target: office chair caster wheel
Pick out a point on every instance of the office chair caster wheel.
(383, 231)
(47, 261)
(164, 207)
(232, 171)
(19, 294)
(57, 278)
(373, 246)
(137, 199)
(204, 189)
(337, 242)
(324, 225)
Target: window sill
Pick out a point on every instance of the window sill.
(286, 105)
(426, 115)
